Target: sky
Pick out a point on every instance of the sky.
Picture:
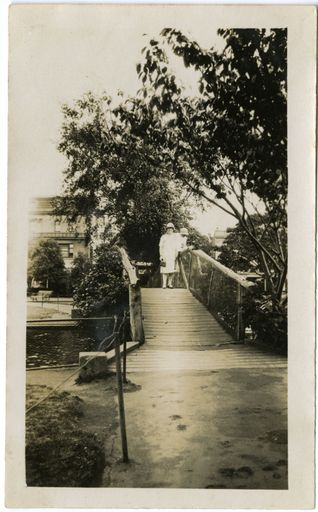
(57, 53)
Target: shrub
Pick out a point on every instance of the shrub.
(267, 321)
(101, 285)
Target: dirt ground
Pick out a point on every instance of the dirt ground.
(220, 429)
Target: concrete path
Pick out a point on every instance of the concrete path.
(204, 412)
(205, 429)
(224, 428)
(200, 411)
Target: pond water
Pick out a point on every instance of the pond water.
(54, 346)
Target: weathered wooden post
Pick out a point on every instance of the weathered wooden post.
(190, 271)
(210, 286)
(137, 330)
(125, 363)
(182, 271)
(240, 327)
(135, 310)
(121, 406)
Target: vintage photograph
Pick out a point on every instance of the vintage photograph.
(154, 148)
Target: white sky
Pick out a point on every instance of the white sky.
(57, 55)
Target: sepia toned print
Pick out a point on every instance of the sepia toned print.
(157, 258)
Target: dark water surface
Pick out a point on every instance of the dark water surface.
(50, 346)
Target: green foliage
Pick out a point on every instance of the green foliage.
(240, 254)
(47, 266)
(80, 267)
(138, 161)
(267, 320)
(238, 123)
(199, 241)
(228, 145)
(58, 452)
(100, 283)
(114, 170)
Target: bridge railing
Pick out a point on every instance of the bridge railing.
(135, 308)
(219, 288)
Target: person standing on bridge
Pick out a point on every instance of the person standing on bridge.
(182, 240)
(168, 248)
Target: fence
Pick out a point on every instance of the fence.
(220, 289)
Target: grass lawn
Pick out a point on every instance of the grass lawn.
(58, 452)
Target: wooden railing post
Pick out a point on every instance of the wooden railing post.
(135, 310)
(190, 269)
(183, 274)
(240, 327)
(120, 396)
(137, 330)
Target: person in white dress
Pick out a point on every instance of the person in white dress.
(168, 248)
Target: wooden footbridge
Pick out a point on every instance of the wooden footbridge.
(175, 319)
(197, 326)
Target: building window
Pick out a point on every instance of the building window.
(64, 250)
(67, 250)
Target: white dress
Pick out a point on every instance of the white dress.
(168, 247)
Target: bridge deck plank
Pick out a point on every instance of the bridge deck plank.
(181, 335)
(176, 318)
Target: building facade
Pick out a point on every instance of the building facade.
(44, 225)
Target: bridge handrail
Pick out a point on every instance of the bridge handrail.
(227, 271)
(219, 288)
(135, 308)
(128, 266)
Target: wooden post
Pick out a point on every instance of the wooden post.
(125, 362)
(137, 330)
(121, 405)
(183, 274)
(190, 269)
(210, 286)
(240, 327)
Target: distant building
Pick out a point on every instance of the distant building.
(44, 225)
(218, 237)
(217, 240)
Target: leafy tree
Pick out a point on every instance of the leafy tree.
(99, 284)
(239, 253)
(80, 267)
(199, 241)
(228, 144)
(112, 171)
(47, 266)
